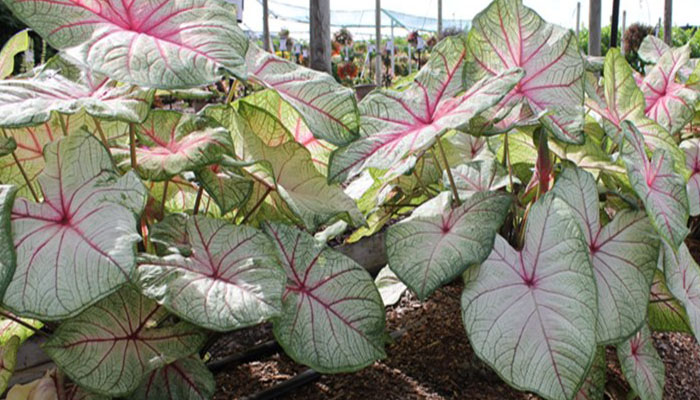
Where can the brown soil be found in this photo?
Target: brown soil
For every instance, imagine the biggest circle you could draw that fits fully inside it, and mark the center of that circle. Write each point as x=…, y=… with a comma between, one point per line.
x=432, y=360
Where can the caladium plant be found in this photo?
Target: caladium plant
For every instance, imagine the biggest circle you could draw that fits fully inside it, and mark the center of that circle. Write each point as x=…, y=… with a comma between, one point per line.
x=171, y=143
x=223, y=267
x=167, y=44
x=562, y=198
x=86, y=222
x=509, y=35
x=31, y=102
x=642, y=365
x=16, y=45
x=129, y=338
x=669, y=102
x=691, y=148
x=330, y=300
x=438, y=242
x=397, y=126
x=531, y=314
x=624, y=255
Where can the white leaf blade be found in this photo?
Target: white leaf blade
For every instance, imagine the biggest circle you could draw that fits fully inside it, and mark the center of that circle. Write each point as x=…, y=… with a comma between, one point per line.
x=122, y=343
x=438, y=242
x=532, y=315
x=332, y=315
x=166, y=45
x=642, y=365
x=229, y=278
x=86, y=222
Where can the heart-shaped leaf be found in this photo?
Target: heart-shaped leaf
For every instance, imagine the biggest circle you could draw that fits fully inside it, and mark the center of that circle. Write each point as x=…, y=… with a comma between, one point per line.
x=160, y=44
x=109, y=348
x=652, y=49
x=8, y=361
x=295, y=127
x=624, y=254
x=227, y=186
x=29, y=154
x=286, y=180
x=683, y=280
x=642, y=365
x=51, y=386
x=469, y=147
x=171, y=142
x=437, y=243
x=8, y=260
x=31, y=102
x=390, y=287
x=661, y=189
x=668, y=102
x=691, y=148
x=594, y=386
x=478, y=176
x=396, y=125
x=180, y=196
x=17, y=44
x=665, y=313
x=329, y=109
x=509, y=35
x=332, y=315
x=82, y=235
x=186, y=379
x=10, y=328
x=228, y=279
x=621, y=99
x=7, y=146
x=531, y=315
x=590, y=156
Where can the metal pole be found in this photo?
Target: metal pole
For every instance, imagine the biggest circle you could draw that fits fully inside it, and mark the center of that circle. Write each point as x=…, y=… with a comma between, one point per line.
x=320, y=35
x=668, y=21
x=615, y=23
x=439, y=27
x=378, y=23
x=266, y=26
x=594, y=12
x=578, y=19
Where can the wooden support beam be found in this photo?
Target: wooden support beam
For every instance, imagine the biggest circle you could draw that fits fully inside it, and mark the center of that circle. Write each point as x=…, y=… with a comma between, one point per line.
x=668, y=21
x=266, y=26
x=378, y=59
x=439, y=18
x=320, y=35
x=594, y=12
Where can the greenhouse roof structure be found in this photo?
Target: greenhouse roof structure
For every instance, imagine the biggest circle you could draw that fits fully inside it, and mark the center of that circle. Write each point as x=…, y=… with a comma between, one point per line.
x=364, y=18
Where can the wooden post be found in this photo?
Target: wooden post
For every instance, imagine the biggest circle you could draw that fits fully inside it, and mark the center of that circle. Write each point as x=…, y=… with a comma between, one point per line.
x=615, y=23
x=624, y=29
x=594, y=12
x=578, y=19
x=393, y=51
x=378, y=32
x=320, y=35
x=624, y=23
x=266, y=26
x=668, y=21
x=439, y=27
